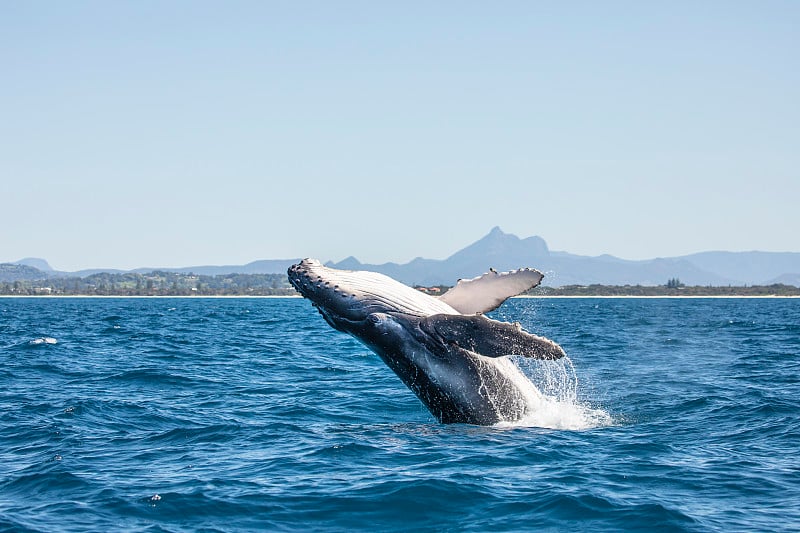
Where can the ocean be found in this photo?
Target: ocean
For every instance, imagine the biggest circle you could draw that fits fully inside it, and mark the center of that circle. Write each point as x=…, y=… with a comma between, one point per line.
x=230, y=414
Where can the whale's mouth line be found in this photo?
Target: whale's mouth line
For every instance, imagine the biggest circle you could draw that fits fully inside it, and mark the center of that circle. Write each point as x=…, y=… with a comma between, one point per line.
x=340, y=323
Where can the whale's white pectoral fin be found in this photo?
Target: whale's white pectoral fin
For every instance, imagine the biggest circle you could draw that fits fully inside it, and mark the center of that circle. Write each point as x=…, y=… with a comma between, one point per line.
x=486, y=293
x=488, y=337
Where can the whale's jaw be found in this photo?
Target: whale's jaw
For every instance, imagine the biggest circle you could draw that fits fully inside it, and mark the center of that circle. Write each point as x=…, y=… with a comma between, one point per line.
x=338, y=307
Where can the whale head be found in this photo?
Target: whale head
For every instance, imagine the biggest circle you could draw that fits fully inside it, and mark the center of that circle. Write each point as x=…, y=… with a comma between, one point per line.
x=346, y=298
x=337, y=304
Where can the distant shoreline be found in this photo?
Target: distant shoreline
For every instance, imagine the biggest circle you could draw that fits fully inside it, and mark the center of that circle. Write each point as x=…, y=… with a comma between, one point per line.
x=662, y=296
x=522, y=296
x=149, y=297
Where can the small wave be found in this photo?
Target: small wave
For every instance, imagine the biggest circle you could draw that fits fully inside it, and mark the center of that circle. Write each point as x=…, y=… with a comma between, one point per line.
x=157, y=377
x=215, y=433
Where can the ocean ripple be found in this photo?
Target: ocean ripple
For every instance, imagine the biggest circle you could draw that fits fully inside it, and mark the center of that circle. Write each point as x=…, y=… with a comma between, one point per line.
x=252, y=414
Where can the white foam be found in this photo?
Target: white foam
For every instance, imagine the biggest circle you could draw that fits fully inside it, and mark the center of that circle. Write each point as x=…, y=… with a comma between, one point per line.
x=552, y=397
x=44, y=340
x=554, y=414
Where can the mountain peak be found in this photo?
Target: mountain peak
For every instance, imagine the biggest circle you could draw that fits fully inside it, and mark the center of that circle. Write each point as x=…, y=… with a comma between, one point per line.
x=499, y=236
x=348, y=263
x=35, y=262
x=497, y=247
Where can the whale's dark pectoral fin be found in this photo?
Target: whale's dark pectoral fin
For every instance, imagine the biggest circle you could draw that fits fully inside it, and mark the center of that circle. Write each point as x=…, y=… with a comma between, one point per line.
x=486, y=293
x=488, y=337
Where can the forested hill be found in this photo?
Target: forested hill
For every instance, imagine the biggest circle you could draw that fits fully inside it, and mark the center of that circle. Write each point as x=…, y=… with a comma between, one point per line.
x=23, y=280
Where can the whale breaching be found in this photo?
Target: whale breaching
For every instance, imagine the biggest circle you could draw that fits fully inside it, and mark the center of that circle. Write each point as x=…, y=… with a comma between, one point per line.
x=443, y=348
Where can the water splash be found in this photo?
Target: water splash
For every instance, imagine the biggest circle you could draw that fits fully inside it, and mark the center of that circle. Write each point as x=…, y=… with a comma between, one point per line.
x=552, y=397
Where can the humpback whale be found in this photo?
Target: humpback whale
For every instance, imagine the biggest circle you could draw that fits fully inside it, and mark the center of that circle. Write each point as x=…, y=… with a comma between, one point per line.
x=443, y=348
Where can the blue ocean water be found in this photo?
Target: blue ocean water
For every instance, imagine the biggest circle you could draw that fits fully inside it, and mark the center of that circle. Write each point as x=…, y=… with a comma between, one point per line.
x=253, y=414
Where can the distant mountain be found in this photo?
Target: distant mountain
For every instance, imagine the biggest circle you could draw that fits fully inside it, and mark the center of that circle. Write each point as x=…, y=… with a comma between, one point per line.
x=35, y=262
x=10, y=272
x=264, y=266
x=504, y=251
x=762, y=266
x=785, y=279
x=499, y=250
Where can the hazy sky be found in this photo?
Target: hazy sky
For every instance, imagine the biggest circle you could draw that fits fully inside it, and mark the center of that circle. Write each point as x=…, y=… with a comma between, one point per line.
x=185, y=133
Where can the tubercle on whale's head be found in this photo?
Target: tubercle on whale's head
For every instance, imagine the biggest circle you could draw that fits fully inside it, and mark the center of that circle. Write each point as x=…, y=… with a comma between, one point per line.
x=338, y=304
x=309, y=278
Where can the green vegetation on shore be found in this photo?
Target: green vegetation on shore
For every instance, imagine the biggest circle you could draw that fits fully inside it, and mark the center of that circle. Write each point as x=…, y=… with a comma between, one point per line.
x=160, y=283
x=666, y=290
x=156, y=283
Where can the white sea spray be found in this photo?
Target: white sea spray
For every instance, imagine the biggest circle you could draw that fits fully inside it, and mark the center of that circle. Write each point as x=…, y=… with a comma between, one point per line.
x=551, y=391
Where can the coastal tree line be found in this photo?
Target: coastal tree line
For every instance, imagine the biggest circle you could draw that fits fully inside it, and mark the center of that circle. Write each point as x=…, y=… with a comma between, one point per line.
x=670, y=289
x=157, y=283
x=160, y=283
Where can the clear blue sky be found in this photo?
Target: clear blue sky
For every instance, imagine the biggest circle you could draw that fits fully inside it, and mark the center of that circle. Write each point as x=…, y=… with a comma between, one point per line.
x=183, y=133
